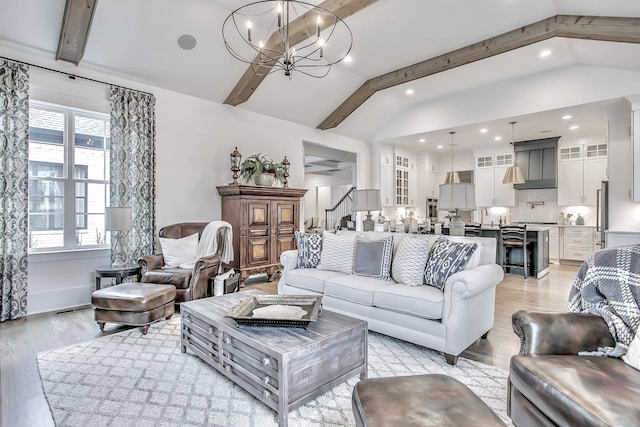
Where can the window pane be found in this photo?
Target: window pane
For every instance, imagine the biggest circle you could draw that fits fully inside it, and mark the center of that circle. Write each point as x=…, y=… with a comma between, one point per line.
x=46, y=213
x=90, y=143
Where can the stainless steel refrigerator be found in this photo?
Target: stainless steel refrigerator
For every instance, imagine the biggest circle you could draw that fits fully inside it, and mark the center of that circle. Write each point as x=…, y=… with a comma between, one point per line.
x=602, y=214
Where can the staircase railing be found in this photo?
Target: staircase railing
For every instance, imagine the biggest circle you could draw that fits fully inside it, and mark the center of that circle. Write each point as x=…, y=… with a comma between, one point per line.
x=334, y=215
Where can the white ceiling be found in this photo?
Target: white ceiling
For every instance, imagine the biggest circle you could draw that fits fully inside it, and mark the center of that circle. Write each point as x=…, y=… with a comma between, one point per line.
x=138, y=40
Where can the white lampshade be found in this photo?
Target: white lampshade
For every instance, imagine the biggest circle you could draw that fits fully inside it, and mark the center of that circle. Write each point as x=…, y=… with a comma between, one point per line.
x=460, y=197
x=117, y=219
x=367, y=200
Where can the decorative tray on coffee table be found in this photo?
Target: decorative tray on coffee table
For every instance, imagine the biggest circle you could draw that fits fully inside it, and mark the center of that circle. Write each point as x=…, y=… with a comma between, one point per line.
x=277, y=310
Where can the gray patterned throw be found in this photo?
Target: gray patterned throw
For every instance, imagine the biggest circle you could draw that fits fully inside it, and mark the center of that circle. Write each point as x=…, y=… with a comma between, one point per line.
x=608, y=285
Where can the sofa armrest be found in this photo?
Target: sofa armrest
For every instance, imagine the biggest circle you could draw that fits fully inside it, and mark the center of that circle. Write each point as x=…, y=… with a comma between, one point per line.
x=467, y=283
x=150, y=262
x=560, y=333
x=289, y=260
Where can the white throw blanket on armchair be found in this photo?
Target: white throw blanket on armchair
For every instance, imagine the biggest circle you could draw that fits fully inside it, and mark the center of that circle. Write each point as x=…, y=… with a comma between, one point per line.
x=208, y=244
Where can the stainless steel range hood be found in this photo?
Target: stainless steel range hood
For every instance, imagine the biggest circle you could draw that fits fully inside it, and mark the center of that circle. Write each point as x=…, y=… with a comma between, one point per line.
x=538, y=160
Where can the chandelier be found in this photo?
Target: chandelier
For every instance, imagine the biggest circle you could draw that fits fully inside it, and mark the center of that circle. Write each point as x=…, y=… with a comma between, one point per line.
x=513, y=174
x=287, y=35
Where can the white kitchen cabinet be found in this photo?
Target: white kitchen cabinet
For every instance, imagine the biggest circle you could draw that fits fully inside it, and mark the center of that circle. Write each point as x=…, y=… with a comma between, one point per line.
x=432, y=184
x=405, y=179
x=387, y=185
x=577, y=242
x=581, y=169
x=489, y=173
x=554, y=244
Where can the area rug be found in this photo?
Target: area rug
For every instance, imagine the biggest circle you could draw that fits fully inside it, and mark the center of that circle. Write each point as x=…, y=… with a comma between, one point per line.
x=130, y=379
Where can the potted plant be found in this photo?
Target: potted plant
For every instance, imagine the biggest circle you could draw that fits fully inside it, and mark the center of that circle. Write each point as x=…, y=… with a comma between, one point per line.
x=260, y=169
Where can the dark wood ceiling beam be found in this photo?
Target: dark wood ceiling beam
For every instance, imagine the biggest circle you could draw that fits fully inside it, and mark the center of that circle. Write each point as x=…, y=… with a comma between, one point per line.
x=581, y=27
x=298, y=32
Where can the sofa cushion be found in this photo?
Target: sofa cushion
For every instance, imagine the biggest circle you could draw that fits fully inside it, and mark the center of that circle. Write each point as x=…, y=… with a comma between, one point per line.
x=337, y=252
x=409, y=261
x=310, y=279
x=446, y=258
x=421, y=301
x=579, y=390
x=373, y=258
x=309, y=249
x=358, y=289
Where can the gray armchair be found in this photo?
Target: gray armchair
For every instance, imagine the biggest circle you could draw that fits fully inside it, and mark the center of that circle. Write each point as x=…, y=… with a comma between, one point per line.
x=190, y=284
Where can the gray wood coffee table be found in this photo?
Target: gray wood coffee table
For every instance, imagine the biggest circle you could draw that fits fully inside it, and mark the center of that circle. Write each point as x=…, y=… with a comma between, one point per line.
x=283, y=367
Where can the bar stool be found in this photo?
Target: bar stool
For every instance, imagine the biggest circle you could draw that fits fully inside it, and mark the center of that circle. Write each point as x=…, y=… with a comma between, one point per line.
x=472, y=229
x=514, y=240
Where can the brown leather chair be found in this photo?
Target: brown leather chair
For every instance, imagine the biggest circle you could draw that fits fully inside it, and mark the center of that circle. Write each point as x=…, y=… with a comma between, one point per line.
x=551, y=385
x=190, y=284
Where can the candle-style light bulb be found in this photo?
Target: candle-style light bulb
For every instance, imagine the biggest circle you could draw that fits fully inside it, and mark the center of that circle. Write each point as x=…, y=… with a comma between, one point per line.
x=279, y=10
x=318, y=22
x=321, y=43
x=249, y=30
x=261, y=44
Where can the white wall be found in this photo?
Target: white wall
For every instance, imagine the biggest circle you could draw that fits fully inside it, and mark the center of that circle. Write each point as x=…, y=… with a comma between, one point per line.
x=194, y=138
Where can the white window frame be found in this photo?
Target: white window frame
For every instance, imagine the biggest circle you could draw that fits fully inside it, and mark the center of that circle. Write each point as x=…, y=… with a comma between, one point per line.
x=68, y=179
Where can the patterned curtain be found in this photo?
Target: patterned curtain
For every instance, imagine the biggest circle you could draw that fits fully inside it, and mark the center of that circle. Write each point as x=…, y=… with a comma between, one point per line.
x=133, y=167
x=14, y=188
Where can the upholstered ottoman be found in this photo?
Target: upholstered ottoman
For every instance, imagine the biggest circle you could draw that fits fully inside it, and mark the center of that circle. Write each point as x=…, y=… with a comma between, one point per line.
x=137, y=304
x=419, y=400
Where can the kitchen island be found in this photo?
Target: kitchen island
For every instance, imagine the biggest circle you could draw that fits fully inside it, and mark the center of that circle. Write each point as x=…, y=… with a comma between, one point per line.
x=539, y=267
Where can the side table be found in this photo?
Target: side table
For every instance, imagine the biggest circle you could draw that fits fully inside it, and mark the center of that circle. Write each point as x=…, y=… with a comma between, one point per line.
x=118, y=272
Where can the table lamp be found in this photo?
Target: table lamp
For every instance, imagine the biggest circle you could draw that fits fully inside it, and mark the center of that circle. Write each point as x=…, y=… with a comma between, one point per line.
x=367, y=200
x=454, y=198
x=117, y=220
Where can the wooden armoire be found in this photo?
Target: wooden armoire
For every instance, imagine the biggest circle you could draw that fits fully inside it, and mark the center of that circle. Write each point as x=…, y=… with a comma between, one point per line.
x=264, y=221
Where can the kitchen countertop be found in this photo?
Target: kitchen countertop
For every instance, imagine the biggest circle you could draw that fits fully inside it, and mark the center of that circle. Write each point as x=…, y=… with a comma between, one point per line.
x=529, y=227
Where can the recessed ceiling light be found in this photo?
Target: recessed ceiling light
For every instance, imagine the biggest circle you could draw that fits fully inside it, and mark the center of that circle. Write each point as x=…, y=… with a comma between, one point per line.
x=567, y=117
x=484, y=130
x=348, y=59
x=497, y=138
x=409, y=91
x=545, y=53
x=422, y=140
x=574, y=127
x=187, y=41
x=439, y=146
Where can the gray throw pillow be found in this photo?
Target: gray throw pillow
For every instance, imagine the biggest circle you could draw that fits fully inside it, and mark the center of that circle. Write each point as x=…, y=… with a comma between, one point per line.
x=373, y=258
x=445, y=259
x=309, y=249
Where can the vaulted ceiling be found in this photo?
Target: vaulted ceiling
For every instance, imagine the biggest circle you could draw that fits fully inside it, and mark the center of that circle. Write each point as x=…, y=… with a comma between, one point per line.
x=138, y=40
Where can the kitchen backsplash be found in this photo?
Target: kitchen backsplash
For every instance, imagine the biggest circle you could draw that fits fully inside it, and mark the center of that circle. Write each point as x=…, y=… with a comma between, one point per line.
x=538, y=206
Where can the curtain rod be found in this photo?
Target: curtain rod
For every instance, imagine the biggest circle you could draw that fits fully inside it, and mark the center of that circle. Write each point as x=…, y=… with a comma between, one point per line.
x=74, y=76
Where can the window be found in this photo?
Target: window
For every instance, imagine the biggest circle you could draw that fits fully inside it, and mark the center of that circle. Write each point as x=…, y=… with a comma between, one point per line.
x=504, y=159
x=68, y=177
x=484, y=161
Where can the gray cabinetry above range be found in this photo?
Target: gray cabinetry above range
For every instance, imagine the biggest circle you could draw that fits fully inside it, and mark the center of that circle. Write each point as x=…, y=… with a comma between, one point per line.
x=538, y=161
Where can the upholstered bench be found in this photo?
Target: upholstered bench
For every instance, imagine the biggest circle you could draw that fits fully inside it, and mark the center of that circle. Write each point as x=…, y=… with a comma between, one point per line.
x=419, y=401
x=136, y=304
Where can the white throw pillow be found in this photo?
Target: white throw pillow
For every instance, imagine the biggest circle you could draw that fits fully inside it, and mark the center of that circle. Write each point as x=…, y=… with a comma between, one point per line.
x=632, y=357
x=338, y=251
x=178, y=251
x=409, y=261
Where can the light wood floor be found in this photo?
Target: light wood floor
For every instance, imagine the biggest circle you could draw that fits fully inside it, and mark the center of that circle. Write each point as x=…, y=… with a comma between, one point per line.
x=22, y=401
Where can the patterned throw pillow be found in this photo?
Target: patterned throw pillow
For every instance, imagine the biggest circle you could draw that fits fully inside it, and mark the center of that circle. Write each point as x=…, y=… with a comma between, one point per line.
x=446, y=258
x=309, y=249
x=373, y=258
x=408, y=264
x=337, y=252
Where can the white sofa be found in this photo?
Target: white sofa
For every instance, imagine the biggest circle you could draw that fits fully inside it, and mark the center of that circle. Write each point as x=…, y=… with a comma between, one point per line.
x=448, y=320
